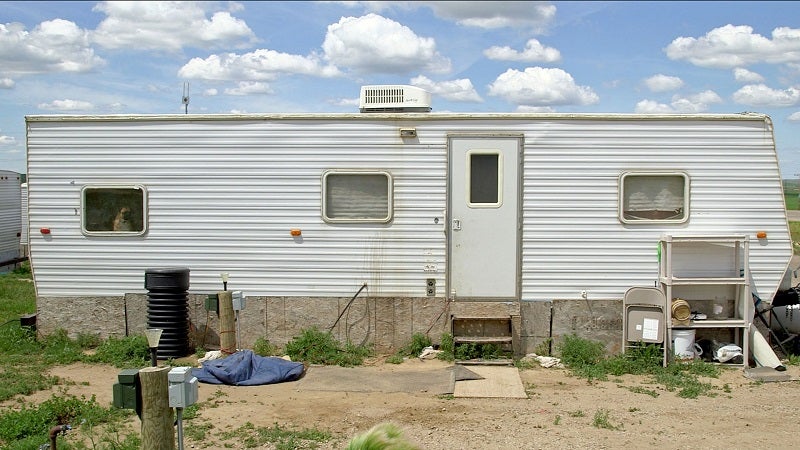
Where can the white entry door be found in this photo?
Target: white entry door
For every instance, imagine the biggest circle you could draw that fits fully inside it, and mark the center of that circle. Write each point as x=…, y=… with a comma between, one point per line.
x=483, y=216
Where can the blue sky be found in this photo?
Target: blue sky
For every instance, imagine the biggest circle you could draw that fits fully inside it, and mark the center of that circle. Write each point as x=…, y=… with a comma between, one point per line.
x=571, y=57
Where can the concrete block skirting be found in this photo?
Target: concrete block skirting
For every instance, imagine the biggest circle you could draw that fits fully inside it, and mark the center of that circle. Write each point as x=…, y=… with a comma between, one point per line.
x=386, y=322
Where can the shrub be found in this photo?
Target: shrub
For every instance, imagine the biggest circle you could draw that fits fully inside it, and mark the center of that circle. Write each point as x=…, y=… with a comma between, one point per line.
x=262, y=347
x=418, y=343
x=317, y=347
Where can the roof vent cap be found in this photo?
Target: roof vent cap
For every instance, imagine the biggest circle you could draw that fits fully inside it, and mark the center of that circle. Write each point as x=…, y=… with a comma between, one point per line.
x=394, y=98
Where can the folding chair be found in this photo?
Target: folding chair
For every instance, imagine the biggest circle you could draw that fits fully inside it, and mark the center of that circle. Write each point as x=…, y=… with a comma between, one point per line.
x=643, y=318
x=781, y=337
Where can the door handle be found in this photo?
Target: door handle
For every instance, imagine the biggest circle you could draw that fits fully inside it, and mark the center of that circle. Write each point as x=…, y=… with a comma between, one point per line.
x=456, y=225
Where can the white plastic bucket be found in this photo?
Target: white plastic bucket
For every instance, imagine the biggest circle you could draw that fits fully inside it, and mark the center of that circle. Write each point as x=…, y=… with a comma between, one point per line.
x=683, y=346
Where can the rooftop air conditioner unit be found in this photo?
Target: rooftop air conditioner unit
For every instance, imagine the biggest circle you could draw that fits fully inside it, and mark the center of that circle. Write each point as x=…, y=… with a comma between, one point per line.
x=394, y=98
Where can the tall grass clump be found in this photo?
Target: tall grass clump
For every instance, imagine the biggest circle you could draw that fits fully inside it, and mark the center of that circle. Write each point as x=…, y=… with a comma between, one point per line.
x=418, y=343
x=17, y=295
x=587, y=359
x=318, y=347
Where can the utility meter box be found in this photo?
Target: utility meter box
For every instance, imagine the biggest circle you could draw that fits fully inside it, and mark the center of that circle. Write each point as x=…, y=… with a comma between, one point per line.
x=182, y=387
x=238, y=299
x=212, y=303
x=126, y=392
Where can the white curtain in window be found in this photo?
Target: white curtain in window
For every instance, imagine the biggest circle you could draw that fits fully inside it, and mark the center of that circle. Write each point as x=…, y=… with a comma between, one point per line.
x=357, y=196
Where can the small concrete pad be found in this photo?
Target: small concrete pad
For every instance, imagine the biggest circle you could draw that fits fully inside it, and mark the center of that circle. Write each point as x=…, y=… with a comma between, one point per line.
x=497, y=382
x=435, y=380
x=767, y=374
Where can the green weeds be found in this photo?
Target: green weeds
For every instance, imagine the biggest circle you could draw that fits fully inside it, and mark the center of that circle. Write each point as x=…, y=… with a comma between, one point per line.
x=262, y=347
x=468, y=351
x=27, y=426
x=587, y=359
x=316, y=347
x=281, y=438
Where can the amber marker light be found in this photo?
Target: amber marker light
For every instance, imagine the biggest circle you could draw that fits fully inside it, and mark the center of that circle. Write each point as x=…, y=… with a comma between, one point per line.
x=296, y=232
x=761, y=234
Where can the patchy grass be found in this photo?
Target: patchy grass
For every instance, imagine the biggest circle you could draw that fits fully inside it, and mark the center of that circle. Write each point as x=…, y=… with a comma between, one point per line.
x=587, y=359
x=281, y=438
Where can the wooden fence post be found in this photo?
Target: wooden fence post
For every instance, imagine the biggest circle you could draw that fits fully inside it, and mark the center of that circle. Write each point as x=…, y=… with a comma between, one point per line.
x=157, y=421
x=227, y=323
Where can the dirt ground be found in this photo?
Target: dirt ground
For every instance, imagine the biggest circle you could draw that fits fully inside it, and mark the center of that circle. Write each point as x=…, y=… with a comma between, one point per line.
x=560, y=412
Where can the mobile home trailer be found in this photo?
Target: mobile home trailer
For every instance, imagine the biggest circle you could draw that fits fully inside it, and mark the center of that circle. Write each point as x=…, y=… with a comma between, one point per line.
x=10, y=219
x=390, y=223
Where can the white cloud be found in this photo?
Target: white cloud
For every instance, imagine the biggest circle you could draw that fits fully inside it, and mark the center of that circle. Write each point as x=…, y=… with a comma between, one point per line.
x=169, y=26
x=375, y=44
x=794, y=117
x=663, y=83
x=531, y=15
x=66, y=105
x=743, y=75
x=534, y=52
x=249, y=88
x=52, y=46
x=762, y=95
x=737, y=46
x=346, y=102
x=260, y=65
x=538, y=86
x=652, y=107
x=7, y=140
x=454, y=90
x=535, y=109
x=210, y=92
x=695, y=103
x=6, y=83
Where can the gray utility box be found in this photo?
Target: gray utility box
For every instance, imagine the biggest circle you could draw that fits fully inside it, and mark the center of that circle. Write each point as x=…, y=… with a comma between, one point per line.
x=182, y=387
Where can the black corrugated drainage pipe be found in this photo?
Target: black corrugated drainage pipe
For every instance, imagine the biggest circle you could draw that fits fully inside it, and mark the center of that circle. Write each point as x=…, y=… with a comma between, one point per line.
x=168, y=309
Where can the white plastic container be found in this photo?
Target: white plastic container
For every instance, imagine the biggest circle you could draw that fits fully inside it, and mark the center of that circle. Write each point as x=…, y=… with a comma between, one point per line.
x=683, y=346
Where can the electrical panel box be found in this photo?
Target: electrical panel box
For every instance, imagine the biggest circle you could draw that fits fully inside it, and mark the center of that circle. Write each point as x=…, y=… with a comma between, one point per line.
x=238, y=300
x=212, y=303
x=182, y=387
x=126, y=392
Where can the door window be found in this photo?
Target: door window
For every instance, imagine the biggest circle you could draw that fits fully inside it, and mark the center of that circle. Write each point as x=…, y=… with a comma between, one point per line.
x=484, y=179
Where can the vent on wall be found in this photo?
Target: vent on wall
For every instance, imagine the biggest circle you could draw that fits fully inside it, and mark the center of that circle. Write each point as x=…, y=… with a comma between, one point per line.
x=395, y=98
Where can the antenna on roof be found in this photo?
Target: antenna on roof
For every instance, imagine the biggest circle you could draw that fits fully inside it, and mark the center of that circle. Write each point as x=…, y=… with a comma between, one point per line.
x=185, y=98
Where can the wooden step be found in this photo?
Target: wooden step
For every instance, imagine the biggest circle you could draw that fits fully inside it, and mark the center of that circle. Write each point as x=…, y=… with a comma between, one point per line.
x=482, y=339
x=464, y=327
x=486, y=362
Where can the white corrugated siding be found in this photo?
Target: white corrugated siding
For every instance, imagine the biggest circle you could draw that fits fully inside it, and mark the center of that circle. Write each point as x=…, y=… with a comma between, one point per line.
x=223, y=197
x=573, y=239
x=10, y=215
x=24, y=201
x=224, y=194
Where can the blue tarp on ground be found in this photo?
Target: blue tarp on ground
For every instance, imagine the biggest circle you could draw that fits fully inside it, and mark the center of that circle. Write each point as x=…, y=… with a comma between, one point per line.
x=245, y=368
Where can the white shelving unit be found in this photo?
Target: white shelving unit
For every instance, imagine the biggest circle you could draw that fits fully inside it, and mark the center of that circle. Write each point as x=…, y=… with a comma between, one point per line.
x=711, y=273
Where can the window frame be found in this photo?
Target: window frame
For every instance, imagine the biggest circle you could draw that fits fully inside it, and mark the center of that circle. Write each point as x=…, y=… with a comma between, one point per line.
x=468, y=179
x=355, y=172
x=83, y=210
x=650, y=173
